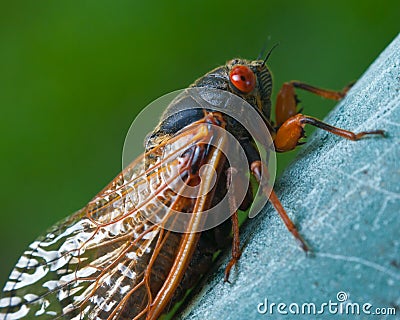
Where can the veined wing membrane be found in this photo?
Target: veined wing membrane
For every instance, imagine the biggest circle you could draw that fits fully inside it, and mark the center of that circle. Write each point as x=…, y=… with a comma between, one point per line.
x=97, y=264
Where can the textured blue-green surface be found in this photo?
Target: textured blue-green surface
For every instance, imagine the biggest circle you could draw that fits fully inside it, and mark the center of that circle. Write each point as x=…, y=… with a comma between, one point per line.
x=345, y=198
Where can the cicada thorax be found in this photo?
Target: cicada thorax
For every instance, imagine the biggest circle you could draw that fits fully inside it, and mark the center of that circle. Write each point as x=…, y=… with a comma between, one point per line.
x=217, y=80
x=259, y=98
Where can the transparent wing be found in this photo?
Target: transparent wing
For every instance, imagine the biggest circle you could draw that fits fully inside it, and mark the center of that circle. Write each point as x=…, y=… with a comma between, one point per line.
x=100, y=262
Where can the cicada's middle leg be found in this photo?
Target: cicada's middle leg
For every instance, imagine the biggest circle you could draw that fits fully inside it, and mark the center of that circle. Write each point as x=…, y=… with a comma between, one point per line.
x=258, y=169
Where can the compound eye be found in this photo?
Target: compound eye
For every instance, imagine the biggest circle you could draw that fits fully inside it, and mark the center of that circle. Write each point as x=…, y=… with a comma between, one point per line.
x=243, y=78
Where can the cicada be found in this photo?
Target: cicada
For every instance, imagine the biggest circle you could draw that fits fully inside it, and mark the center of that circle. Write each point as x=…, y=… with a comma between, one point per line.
x=127, y=254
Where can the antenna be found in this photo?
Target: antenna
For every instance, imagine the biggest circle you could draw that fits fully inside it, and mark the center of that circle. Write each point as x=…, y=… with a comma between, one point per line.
x=264, y=48
x=269, y=54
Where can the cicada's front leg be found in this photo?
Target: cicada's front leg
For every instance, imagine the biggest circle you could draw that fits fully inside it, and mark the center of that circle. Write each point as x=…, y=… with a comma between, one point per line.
x=290, y=124
x=286, y=101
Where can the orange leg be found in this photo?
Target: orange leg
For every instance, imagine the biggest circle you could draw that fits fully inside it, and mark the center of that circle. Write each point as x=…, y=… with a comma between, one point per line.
x=236, y=253
x=256, y=169
x=286, y=101
x=291, y=131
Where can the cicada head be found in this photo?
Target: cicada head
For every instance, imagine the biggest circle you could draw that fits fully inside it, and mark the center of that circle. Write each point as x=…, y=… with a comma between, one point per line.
x=252, y=81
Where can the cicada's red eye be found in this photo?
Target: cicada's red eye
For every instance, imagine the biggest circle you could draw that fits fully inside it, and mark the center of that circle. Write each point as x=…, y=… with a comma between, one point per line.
x=243, y=78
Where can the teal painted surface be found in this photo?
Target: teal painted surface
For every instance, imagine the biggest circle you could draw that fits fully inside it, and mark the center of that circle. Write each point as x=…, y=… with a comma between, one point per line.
x=345, y=198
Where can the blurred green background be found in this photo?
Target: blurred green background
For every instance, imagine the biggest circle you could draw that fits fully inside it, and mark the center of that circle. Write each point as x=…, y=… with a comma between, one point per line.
x=74, y=74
